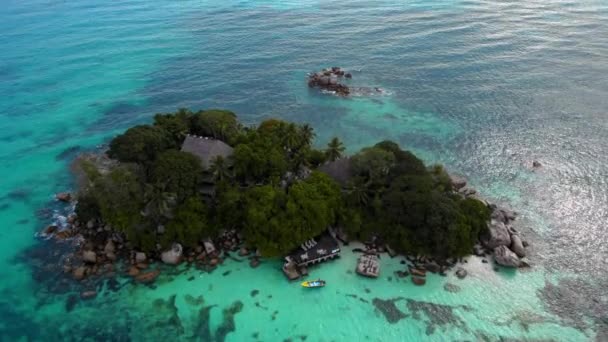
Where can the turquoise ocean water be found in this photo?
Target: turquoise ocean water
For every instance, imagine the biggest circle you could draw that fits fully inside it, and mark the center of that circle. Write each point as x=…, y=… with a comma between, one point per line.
x=485, y=87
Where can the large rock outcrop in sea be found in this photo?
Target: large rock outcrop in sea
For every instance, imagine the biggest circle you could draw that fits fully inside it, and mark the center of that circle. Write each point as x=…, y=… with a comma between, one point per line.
x=498, y=235
x=329, y=79
x=505, y=257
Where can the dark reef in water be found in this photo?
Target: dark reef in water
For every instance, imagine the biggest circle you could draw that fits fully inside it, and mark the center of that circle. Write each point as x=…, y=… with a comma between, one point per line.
x=575, y=301
x=69, y=153
x=191, y=300
x=389, y=309
x=452, y=288
x=437, y=314
x=17, y=325
x=202, y=330
x=227, y=325
x=166, y=308
x=362, y=300
x=119, y=113
x=254, y=293
x=21, y=195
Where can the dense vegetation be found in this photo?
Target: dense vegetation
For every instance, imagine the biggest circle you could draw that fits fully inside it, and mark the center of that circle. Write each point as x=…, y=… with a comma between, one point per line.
x=269, y=190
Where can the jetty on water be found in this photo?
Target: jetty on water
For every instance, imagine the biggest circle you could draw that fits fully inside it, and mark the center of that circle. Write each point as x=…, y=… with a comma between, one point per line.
x=321, y=248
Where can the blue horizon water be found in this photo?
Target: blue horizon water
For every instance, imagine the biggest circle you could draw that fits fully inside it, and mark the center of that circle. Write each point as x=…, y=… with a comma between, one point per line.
x=484, y=87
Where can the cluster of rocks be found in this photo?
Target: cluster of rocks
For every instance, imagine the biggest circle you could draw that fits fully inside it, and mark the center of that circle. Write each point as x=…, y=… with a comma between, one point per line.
x=502, y=240
x=101, y=251
x=329, y=79
x=418, y=266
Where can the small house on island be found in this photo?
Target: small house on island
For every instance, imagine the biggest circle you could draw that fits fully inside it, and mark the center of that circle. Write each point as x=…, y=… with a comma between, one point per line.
x=321, y=248
x=206, y=149
x=340, y=170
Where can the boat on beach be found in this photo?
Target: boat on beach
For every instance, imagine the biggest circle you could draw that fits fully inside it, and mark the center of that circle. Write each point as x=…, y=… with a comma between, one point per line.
x=313, y=283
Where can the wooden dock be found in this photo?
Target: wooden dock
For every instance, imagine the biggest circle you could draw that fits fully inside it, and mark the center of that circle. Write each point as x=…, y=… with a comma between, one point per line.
x=368, y=265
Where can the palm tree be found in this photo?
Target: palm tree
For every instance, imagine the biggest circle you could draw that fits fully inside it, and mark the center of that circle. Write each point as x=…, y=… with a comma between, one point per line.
x=307, y=134
x=159, y=202
x=357, y=193
x=219, y=169
x=334, y=149
x=290, y=137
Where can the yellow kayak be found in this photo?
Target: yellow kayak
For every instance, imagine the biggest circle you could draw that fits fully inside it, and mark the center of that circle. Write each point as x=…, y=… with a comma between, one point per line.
x=313, y=283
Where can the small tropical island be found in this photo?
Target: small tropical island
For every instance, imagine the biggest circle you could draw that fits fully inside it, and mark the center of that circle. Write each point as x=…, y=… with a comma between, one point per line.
x=197, y=186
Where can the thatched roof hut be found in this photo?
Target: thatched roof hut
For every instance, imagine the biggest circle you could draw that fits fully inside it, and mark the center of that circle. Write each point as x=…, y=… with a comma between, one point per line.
x=206, y=149
x=339, y=170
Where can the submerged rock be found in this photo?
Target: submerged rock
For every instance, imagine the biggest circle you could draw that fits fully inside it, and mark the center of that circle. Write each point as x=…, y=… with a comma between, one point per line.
x=64, y=196
x=88, y=295
x=448, y=287
x=418, y=281
x=505, y=257
x=133, y=271
x=417, y=272
x=50, y=229
x=71, y=302
x=461, y=273
x=147, y=277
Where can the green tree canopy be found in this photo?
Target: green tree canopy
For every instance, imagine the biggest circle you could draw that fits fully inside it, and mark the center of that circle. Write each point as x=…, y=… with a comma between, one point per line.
x=373, y=164
x=179, y=172
x=189, y=225
x=229, y=206
x=259, y=160
x=139, y=144
x=177, y=125
x=118, y=197
x=276, y=222
x=216, y=123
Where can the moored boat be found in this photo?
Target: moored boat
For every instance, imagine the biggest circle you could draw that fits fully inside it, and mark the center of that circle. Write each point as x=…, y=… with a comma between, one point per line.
x=313, y=283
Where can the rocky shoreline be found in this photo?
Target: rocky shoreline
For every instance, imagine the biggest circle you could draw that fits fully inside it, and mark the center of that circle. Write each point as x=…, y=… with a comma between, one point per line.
x=502, y=242
x=100, y=251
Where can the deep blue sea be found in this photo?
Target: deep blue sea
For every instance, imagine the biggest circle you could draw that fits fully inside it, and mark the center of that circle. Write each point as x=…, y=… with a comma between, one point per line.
x=484, y=87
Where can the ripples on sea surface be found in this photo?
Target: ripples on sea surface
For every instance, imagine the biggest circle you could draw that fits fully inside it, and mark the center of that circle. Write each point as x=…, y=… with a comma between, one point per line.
x=485, y=87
